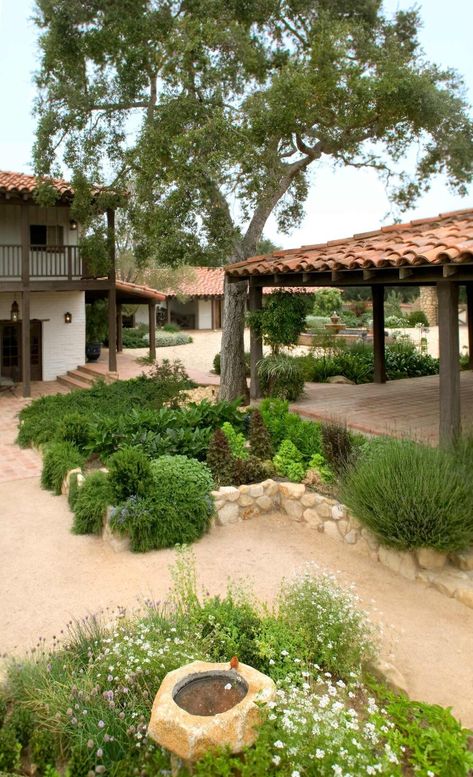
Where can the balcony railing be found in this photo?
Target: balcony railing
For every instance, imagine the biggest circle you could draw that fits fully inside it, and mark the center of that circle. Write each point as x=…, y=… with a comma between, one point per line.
x=45, y=263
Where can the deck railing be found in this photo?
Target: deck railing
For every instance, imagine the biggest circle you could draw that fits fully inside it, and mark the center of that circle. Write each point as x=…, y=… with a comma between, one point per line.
x=45, y=262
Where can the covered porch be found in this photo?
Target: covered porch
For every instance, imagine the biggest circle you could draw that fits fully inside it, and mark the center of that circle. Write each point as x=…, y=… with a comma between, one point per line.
x=435, y=252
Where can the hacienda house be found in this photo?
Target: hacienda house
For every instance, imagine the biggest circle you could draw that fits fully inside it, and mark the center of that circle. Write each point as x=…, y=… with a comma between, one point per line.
x=44, y=286
x=197, y=301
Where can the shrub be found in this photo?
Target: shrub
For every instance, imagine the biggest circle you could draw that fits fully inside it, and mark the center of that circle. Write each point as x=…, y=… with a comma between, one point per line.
x=176, y=511
x=288, y=461
x=259, y=437
x=167, y=339
x=327, y=301
x=282, y=319
x=251, y=470
x=10, y=750
x=23, y=722
x=74, y=428
x=337, y=445
x=281, y=376
x=43, y=748
x=217, y=363
x=411, y=496
x=417, y=317
x=236, y=441
x=73, y=491
x=129, y=474
x=58, y=459
x=170, y=328
x=220, y=459
x=90, y=503
x=170, y=378
x=134, y=338
x=282, y=424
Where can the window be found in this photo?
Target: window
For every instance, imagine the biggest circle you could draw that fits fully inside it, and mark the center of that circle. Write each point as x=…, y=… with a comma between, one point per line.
x=42, y=235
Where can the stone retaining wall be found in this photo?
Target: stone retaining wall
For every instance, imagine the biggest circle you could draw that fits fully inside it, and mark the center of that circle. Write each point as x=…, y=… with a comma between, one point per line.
x=451, y=574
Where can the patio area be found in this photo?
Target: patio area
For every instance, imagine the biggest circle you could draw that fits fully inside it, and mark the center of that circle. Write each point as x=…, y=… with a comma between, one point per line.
x=400, y=408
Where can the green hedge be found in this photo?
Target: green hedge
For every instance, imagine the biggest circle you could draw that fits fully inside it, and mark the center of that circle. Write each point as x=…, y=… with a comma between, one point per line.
x=58, y=459
x=90, y=502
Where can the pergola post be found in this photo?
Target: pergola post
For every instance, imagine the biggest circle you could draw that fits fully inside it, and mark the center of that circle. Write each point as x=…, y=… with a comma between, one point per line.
x=119, y=329
x=112, y=293
x=152, y=330
x=25, y=302
x=168, y=310
x=449, y=352
x=256, y=341
x=469, y=313
x=377, y=293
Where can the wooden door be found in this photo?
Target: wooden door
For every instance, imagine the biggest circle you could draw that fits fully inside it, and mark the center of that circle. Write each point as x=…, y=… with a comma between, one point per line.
x=10, y=355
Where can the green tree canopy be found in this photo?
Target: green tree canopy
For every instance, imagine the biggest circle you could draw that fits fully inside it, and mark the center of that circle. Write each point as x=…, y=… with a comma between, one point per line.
x=212, y=112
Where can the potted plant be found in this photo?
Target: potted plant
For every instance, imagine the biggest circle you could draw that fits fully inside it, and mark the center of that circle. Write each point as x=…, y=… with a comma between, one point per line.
x=96, y=329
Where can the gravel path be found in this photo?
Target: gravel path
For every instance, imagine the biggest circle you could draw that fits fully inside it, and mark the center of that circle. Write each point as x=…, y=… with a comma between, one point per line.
x=48, y=576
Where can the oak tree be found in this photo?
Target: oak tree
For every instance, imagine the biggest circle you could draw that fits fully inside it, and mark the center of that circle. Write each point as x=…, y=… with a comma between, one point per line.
x=213, y=112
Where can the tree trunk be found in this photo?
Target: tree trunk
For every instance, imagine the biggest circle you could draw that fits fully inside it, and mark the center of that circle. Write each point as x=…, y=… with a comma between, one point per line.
x=232, y=378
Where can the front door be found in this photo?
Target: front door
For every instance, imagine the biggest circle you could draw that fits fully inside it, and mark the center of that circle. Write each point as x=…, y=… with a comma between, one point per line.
x=10, y=350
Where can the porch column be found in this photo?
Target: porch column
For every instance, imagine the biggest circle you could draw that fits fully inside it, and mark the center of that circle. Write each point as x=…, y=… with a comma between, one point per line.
x=469, y=313
x=119, y=329
x=377, y=293
x=449, y=352
x=112, y=294
x=256, y=341
x=25, y=301
x=152, y=330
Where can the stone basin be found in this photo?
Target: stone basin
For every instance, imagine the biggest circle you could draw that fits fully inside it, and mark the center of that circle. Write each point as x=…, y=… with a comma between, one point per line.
x=189, y=735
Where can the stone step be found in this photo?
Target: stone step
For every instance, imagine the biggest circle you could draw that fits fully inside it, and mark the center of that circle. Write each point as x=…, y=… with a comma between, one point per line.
x=86, y=378
x=84, y=369
x=72, y=383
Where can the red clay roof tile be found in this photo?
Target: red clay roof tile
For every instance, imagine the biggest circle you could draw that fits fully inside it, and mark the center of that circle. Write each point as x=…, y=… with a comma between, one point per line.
x=20, y=183
x=439, y=239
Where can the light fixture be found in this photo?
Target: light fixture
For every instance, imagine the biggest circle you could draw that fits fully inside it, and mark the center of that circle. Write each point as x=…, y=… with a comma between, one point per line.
x=72, y=224
x=14, y=312
x=68, y=318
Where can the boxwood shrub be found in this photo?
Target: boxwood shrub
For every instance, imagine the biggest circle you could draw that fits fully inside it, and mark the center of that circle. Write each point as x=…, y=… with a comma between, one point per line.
x=411, y=496
x=58, y=459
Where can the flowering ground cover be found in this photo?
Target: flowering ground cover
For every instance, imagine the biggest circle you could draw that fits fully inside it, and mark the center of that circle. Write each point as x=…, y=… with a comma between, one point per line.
x=81, y=707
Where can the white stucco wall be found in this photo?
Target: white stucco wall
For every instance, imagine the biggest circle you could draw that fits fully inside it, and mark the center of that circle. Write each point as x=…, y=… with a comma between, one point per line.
x=63, y=344
x=204, y=320
x=10, y=222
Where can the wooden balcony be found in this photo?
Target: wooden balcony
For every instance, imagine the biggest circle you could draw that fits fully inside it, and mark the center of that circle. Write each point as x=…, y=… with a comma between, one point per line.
x=46, y=263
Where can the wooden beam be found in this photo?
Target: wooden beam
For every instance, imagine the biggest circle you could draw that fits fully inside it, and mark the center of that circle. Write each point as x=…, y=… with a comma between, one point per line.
x=119, y=329
x=255, y=303
x=368, y=275
x=25, y=342
x=449, y=269
x=152, y=330
x=405, y=272
x=469, y=313
x=336, y=276
x=449, y=381
x=112, y=293
x=377, y=293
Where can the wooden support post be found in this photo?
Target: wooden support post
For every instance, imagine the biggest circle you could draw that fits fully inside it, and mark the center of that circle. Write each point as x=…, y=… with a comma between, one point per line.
x=168, y=310
x=377, y=293
x=119, y=329
x=112, y=294
x=256, y=342
x=25, y=301
x=152, y=330
x=449, y=351
x=469, y=313
x=26, y=342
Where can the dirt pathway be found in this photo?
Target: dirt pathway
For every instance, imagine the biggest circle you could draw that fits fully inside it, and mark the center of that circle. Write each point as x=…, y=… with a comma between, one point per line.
x=48, y=576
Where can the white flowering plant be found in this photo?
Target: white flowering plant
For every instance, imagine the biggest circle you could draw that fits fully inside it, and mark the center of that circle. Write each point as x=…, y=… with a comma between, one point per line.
x=87, y=699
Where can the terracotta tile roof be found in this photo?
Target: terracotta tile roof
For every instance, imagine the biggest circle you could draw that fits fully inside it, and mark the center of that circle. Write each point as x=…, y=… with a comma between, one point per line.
x=442, y=239
x=208, y=282
x=139, y=291
x=20, y=183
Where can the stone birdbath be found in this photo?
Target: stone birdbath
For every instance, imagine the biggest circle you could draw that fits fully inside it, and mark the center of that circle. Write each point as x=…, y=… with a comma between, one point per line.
x=205, y=706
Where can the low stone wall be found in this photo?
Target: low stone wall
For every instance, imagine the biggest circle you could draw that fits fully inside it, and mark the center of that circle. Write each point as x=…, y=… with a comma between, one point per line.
x=451, y=574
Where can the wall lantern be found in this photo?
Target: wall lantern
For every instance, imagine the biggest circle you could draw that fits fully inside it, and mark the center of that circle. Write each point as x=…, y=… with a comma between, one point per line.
x=67, y=318
x=72, y=224
x=14, y=312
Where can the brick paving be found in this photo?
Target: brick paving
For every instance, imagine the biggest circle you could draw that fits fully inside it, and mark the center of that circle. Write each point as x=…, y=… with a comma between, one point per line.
x=400, y=408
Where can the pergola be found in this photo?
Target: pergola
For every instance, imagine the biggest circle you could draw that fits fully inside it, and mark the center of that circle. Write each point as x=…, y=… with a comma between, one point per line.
x=132, y=294
x=436, y=252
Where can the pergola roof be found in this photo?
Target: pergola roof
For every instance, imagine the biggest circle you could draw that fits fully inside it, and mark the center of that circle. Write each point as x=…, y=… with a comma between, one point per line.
x=421, y=244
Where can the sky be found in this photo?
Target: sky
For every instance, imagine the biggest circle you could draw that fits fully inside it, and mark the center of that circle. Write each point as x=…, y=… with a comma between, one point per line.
x=341, y=203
